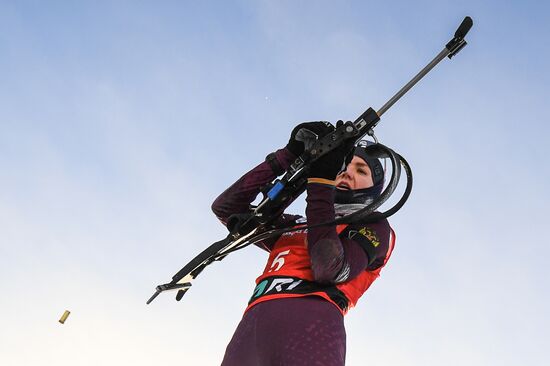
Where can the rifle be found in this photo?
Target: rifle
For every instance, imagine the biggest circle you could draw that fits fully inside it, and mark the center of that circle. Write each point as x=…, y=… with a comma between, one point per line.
x=255, y=226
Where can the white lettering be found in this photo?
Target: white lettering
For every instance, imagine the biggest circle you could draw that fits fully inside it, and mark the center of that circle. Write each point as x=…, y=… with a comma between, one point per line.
x=277, y=284
x=279, y=261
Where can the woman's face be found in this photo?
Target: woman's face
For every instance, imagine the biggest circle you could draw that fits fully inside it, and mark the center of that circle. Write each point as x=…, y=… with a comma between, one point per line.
x=356, y=176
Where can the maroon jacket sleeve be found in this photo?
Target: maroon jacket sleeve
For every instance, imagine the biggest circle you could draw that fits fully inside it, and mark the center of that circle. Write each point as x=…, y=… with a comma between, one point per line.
x=340, y=258
x=237, y=198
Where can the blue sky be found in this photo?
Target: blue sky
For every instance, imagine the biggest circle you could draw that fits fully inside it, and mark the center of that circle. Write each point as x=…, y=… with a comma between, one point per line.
x=121, y=121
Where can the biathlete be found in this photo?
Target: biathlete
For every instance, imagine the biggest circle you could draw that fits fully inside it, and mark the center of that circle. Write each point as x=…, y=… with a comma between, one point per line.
x=312, y=277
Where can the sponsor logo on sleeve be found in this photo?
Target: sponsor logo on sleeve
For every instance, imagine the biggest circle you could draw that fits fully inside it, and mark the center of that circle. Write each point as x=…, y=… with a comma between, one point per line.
x=367, y=233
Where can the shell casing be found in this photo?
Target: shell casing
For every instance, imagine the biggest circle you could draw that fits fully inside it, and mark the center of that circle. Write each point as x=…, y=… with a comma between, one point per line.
x=64, y=316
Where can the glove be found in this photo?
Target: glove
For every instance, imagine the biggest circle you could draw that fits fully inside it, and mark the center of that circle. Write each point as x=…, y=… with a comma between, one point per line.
x=328, y=166
x=305, y=134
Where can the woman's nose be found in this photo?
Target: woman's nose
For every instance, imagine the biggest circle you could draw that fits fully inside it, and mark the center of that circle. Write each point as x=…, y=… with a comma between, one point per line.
x=349, y=171
x=346, y=174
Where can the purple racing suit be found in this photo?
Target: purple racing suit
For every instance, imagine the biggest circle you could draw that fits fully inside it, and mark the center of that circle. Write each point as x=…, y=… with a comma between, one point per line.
x=306, y=330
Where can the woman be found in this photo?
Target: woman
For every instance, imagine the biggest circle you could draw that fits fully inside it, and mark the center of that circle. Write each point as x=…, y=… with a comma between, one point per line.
x=312, y=277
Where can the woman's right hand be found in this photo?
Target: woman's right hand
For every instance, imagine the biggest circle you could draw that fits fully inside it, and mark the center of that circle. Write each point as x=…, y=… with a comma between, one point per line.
x=305, y=134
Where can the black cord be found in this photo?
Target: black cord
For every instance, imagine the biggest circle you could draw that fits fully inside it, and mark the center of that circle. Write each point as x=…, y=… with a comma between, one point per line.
x=365, y=215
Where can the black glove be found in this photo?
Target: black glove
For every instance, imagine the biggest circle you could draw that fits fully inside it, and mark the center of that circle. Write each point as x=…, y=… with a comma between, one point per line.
x=305, y=134
x=328, y=166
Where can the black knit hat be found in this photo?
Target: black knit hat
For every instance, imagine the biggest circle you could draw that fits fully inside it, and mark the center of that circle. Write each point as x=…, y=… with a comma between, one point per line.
x=374, y=164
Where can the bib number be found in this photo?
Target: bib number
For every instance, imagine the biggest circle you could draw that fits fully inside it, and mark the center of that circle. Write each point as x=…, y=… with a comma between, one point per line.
x=278, y=261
